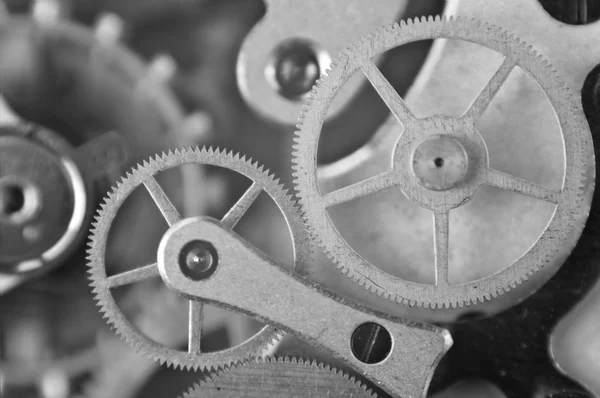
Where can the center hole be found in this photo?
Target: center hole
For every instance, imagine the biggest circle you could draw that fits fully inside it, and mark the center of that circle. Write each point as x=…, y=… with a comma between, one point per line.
x=198, y=260
x=12, y=199
x=295, y=66
x=439, y=162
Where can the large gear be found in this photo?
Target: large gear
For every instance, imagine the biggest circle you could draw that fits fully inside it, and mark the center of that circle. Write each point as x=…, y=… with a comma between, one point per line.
x=437, y=188
x=262, y=181
x=279, y=377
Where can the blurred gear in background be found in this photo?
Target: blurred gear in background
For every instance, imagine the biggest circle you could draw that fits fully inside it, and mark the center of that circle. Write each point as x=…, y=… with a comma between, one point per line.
x=77, y=110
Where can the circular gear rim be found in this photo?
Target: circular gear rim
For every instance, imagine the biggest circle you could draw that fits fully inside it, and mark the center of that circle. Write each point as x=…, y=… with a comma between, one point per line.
x=252, y=347
x=274, y=367
x=576, y=139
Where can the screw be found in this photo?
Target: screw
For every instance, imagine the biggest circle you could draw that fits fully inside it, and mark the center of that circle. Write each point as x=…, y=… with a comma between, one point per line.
x=198, y=260
x=371, y=343
x=296, y=69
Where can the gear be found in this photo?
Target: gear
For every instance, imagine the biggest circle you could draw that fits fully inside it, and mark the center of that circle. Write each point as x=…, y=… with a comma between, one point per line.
x=193, y=359
x=102, y=108
x=280, y=377
x=440, y=163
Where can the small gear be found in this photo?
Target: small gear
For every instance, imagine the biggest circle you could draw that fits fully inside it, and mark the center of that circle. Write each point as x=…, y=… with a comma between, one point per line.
x=440, y=162
x=262, y=181
x=279, y=377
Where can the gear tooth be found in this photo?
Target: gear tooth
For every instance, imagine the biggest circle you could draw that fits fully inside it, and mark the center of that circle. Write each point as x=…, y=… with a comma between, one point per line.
x=97, y=278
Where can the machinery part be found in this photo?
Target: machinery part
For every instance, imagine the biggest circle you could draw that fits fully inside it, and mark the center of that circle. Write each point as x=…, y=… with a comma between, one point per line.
x=197, y=257
x=279, y=377
x=551, y=319
x=292, y=45
x=58, y=54
x=43, y=201
x=243, y=279
x=113, y=109
x=456, y=173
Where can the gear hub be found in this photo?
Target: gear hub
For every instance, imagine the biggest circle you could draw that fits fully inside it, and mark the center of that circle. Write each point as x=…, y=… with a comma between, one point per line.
x=43, y=199
x=440, y=163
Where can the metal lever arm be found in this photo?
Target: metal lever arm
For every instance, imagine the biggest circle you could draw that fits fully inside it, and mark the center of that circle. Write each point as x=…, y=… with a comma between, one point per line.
x=240, y=278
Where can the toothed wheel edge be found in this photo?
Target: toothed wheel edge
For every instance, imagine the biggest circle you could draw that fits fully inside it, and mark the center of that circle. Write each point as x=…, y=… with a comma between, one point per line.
x=576, y=136
x=271, y=365
x=256, y=345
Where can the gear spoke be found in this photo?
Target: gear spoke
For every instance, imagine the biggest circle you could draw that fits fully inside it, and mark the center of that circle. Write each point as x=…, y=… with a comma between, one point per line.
x=242, y=205
x=441, y=224
x=133, y=276
x=441, y=161
x=195, y=326
x=389, y=95
x=487, y=94
x=192, y=356
x=508, y=182
x=165, y=206
x=363, y=188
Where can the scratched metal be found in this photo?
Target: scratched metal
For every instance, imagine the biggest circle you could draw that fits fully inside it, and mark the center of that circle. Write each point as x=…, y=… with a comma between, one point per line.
x=194, y=357
x=464, y=271
x=247, y=281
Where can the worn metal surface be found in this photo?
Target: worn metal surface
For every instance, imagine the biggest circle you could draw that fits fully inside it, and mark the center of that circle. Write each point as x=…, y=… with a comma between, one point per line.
x=279, y=377
x=468, y=278
x=326, y=24
x=102, y=285
x=248, y=281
